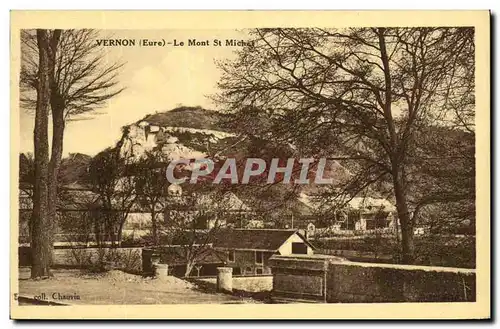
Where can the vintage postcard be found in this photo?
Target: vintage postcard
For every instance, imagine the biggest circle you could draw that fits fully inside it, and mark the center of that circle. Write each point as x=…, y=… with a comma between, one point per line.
x=250, y=165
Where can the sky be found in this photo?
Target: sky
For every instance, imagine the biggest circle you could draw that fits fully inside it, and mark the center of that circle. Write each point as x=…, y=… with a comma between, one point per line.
x=155, y=78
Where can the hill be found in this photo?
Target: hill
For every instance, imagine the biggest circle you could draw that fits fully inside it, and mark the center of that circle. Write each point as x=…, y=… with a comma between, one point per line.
x=195, y=133
x=188, y=117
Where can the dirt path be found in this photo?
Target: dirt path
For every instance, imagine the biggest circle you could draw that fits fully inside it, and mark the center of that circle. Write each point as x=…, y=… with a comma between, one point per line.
x=116, y=287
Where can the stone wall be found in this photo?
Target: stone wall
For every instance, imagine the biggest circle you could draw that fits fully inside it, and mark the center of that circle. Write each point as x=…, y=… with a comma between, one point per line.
x=299, y=278
x=369, y=282
x=322, y=278
x=359, y=256
x=251, y=283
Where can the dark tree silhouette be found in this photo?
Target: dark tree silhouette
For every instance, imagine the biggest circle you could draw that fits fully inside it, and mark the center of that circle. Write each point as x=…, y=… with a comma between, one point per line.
x=151, y=186
x=79, y=81
x=41, y=222
x=193, y=222
x=362, y=93
x=112, y=180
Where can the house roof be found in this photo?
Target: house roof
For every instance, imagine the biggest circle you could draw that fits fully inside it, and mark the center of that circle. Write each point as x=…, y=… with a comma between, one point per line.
x=371, y=204
x=364, y=204
x=254, y=239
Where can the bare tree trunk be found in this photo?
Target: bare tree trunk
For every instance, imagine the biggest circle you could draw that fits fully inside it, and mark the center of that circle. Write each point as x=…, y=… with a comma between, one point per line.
x=407, y=246
x=122, y=219
x=41, y=241
x=189, y=267
x=154, y=227
x=396, y=158
x=57, y=106
x=97, y=228
x=54, y=164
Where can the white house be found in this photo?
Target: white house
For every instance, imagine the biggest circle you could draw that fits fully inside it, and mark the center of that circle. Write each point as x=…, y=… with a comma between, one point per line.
x=248, y=251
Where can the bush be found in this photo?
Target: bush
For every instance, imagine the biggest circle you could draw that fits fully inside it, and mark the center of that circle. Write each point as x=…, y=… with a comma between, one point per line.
x=82, y=257
x=131, y=241
x=105, y=259
x=431, y=250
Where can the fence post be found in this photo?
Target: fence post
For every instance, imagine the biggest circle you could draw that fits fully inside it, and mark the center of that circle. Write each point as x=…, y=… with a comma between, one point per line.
x=161, y=270
x=225, y=279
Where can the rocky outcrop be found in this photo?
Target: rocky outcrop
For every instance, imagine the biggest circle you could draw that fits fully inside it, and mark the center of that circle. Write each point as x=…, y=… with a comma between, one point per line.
x=144, y=136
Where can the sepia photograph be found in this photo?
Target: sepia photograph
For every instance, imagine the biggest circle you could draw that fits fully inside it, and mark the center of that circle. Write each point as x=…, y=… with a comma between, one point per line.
x=335, y=165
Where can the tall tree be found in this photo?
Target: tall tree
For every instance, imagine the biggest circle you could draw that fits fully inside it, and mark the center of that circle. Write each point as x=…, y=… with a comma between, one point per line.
x=112, y=178
x=41, y=223
x=151, y=187
x=79, y=80
x=362, y=93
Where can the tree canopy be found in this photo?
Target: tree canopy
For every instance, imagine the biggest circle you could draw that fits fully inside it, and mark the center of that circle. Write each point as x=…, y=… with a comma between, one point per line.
x=368, y=94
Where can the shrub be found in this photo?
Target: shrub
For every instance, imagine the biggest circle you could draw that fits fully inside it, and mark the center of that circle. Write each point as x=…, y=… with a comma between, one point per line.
x=105, y=259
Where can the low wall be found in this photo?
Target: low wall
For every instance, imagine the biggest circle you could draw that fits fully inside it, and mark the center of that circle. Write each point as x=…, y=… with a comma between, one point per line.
x=356, y=255
x=128, y=259
x=247, y=283
x=301, y=278
x=369, y=282
x=333, y=280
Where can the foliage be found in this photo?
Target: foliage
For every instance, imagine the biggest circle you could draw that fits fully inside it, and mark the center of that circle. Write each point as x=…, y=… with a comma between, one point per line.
x=194, y=222
x=151, y=187
x=112, y=181
x=362, y=93
x=431, y=250
x=185, y=116
x=64, y=73
x=104, y=259
x=84, y=80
